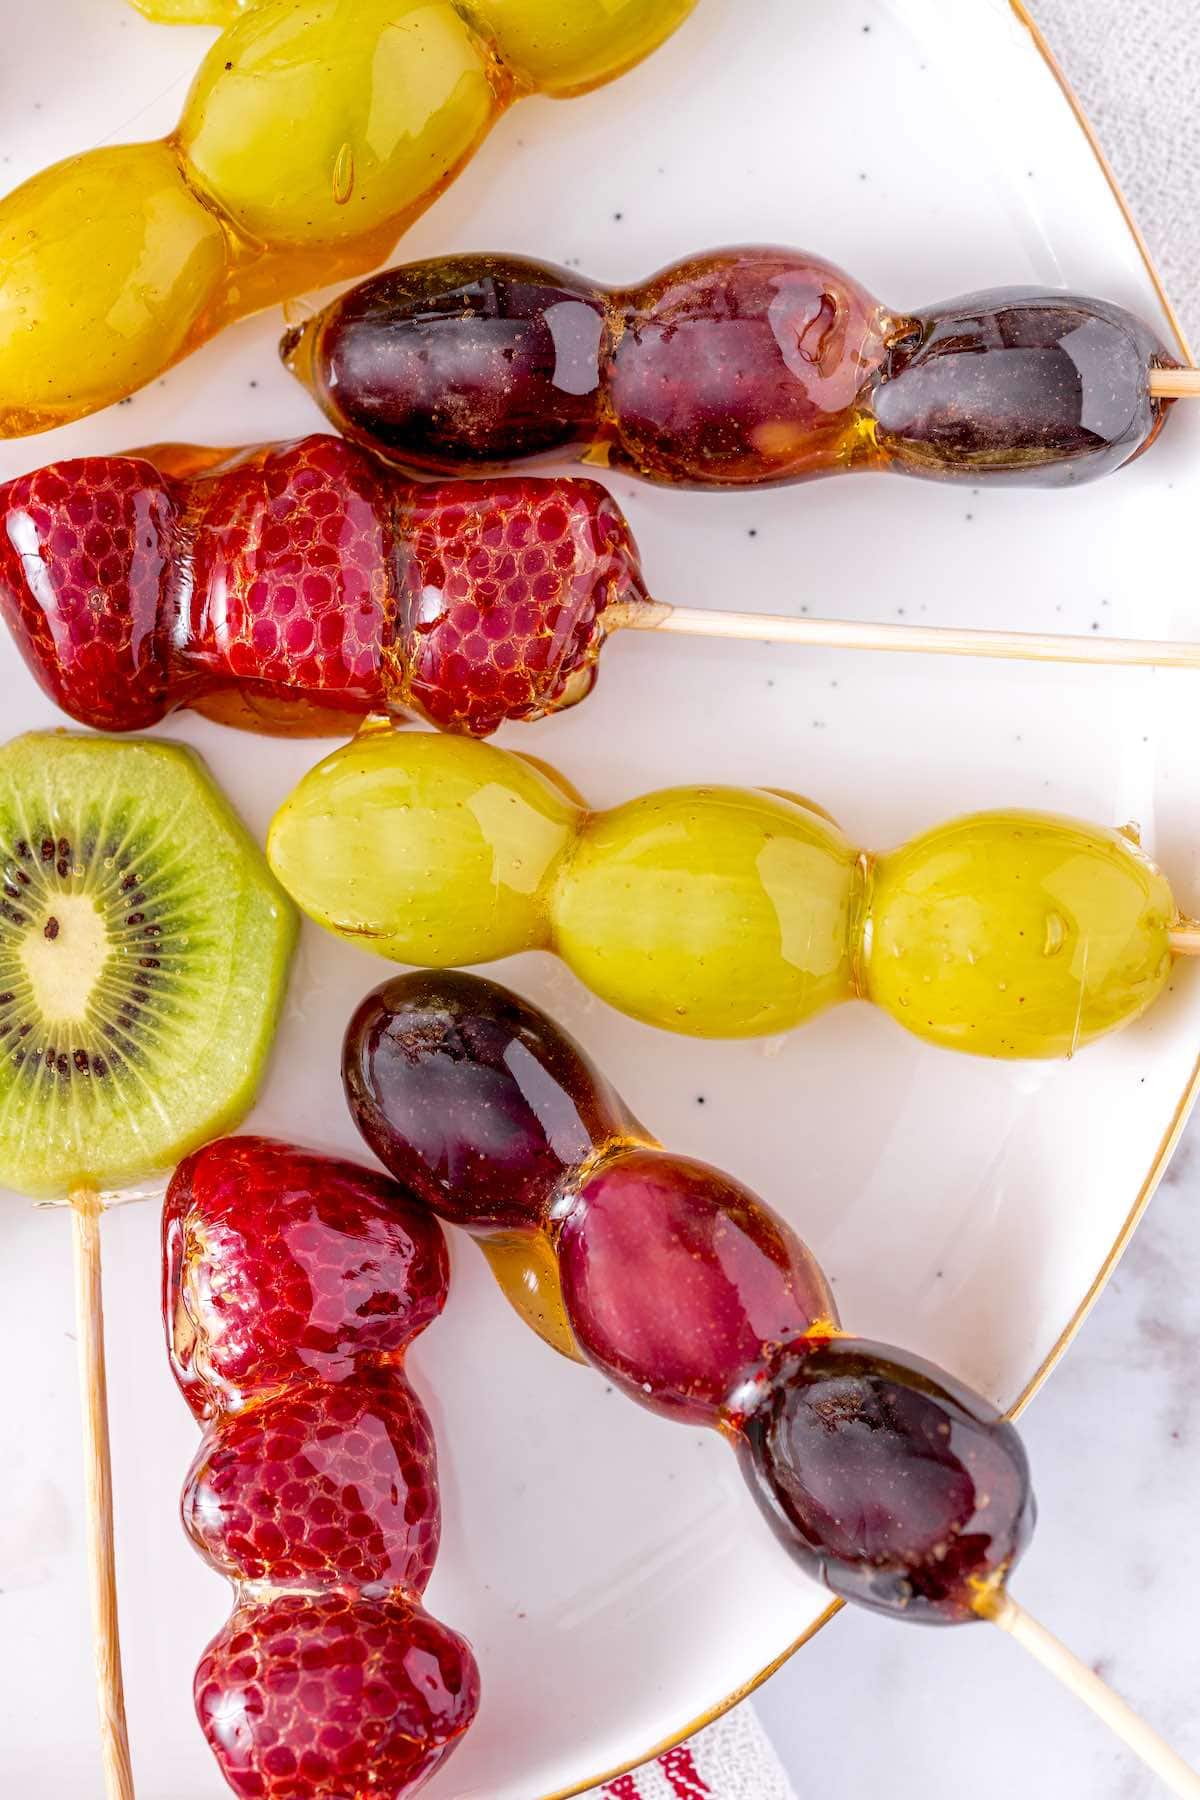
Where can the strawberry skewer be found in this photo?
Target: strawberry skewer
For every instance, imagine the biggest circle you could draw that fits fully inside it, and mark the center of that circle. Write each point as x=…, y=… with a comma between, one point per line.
x=300, y=586
x=292, y=1286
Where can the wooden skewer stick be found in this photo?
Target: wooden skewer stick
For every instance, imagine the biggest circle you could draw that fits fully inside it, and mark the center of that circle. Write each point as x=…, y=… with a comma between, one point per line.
x=97, y=1460
x=1175, y=384
x=1185, y=938
x=1176, y=1775
x=928, y=640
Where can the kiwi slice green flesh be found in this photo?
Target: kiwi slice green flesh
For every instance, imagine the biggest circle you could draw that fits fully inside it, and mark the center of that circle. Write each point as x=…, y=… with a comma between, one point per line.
x=144, y=947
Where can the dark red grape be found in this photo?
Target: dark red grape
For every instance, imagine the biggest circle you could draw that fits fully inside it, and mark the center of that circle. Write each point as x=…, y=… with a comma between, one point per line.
x=741, y=368
x=888, y=1480
x=1019, y=385
x=473, y=1099
x=678, y=1282
x=451, y=362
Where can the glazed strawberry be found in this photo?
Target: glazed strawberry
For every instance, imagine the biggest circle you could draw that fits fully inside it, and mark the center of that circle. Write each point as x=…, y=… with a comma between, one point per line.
x=280, y=1264
x=298, y=586
x=293, y=1284
x=87, y=550
x=504, y=587
x=322, y=1484
x=289, y=589
x=303, y=1699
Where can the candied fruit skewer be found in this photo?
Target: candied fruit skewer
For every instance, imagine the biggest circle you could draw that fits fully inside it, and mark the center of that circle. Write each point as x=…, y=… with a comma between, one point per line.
x=143, y=955
x=736, y=368
x=732, y=912
x=880, y=1475
x=293, y=1285
x=300, y=586
x=312, y=136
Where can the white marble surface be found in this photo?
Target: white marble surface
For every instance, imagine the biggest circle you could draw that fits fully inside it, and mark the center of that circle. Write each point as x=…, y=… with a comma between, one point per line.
x=1115, y=1438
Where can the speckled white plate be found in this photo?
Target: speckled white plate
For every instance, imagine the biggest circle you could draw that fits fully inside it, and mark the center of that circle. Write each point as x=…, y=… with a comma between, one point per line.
x=609, y=1568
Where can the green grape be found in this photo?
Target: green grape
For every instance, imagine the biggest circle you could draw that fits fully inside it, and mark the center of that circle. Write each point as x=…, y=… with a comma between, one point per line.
x=565, y=46
x=382, y=99
x=722, y=912
x=1017, y=934
x=106, y=265
x=425, y=849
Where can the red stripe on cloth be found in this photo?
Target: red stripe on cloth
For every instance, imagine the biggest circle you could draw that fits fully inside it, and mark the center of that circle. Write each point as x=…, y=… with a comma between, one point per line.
x=624, y=1789
x=679, y=1767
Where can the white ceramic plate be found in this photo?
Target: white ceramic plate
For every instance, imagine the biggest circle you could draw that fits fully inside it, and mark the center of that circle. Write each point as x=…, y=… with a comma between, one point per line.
x=609, y=1568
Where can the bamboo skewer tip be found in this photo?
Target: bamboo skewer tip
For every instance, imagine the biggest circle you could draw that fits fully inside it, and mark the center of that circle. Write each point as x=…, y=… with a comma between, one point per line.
x=924, y=640
x=1177, y=1776
x=1175, y=384
x=86, y=1210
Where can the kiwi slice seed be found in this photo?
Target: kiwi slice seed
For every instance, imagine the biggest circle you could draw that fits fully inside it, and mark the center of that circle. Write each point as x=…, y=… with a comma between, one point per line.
x=144, y=948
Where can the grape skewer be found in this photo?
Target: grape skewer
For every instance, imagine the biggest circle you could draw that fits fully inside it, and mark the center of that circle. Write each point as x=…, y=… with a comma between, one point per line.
x=732, y=912
x=292, y=1286
x=736, y=368
x=881, y=1475
x=299, y=587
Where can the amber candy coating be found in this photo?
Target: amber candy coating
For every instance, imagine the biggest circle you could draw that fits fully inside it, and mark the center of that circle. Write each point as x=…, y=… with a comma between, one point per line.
x=887, y=1479
x=298, y=586
x=741, y=367
x=292, y=1284
x=883, y=1477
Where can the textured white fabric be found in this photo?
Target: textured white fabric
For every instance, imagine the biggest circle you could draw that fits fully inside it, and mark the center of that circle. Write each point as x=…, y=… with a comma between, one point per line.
x=1135, y=65
x=732, y=1760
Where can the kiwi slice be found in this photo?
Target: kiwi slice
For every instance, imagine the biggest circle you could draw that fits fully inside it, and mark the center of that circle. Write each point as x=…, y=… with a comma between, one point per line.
x=144, y=947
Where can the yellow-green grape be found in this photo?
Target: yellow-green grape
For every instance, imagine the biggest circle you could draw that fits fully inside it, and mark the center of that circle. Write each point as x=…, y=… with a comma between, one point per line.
x=425, y=849
x=566, y=46
x=1017, y=934
x=107, y=263
x=721, y=912
x=322, y=120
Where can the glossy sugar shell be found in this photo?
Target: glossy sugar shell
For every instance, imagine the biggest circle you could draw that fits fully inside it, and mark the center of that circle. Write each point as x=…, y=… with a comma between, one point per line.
x=722, y=912
x=462, y=841
x=1017, y=934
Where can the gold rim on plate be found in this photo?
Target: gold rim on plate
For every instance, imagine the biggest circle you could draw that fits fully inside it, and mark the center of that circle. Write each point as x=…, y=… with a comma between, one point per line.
x=1171, y=1136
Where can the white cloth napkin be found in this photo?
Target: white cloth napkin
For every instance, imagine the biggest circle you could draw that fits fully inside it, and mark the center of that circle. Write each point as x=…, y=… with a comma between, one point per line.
x=732, y=1760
